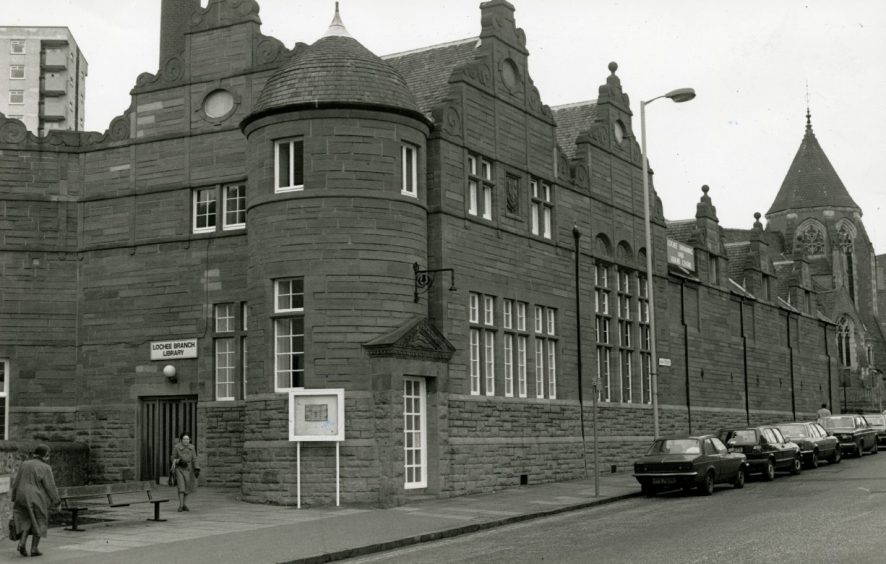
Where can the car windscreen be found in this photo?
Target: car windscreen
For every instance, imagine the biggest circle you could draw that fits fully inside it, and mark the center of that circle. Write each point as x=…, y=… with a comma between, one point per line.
x=838, y=422
x=798, y=431
x=675, y=446
x=744, y=437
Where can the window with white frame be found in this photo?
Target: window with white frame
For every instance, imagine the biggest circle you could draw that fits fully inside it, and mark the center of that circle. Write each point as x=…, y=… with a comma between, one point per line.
x=235, y=206
x=16, y=72
x=205, y=210
x=522, y=346
x=481, y=316
x=602, y=322
x=289, y=334
x=541, y=208
x=480, y=187
x=4, y=399
x=226, y=332
x=17, y=46
x=643, y=345
x=289, y=169
x=409, y=172
x=507, y=323
x=545, y=352
x=16, y=97
x=625, y=337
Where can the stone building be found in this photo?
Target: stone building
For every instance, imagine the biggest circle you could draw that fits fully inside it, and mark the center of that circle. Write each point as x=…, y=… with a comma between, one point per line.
x=403, y=228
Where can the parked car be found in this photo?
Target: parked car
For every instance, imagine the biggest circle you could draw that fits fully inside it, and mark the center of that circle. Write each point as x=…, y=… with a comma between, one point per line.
x=853, y=432
x=814, y=441
x=878, y=422
x=688, y=462
x=766, y=450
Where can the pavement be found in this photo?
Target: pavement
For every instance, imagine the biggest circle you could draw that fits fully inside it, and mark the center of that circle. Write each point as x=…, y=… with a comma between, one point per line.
x=221, y=528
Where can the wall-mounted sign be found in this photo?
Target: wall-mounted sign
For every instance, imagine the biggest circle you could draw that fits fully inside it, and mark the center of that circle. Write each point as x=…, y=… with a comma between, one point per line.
x=664, y=362
x=317, y=415
x=173, y=350
x=681, y=255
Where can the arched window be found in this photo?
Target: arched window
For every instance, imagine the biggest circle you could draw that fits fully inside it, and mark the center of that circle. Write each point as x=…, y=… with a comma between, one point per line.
x=845, y=244
x=811, y=239
x=845, y=342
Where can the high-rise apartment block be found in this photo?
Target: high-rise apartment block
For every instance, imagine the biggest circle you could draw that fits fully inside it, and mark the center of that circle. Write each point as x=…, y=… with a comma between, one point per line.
x=42, y=78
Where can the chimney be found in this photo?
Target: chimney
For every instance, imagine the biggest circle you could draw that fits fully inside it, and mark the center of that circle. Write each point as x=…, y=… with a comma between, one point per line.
x=175, y=16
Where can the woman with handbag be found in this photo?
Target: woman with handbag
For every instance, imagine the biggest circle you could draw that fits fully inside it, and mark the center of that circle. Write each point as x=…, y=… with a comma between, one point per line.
x=33, y=493
x=184, y=467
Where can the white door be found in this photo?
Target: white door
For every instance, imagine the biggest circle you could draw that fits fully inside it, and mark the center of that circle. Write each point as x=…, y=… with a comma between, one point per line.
x=415, y=453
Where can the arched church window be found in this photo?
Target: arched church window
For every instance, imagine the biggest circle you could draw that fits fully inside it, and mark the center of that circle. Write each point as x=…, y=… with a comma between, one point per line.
x=811, y=239
x=845, y=341
x=845, y=243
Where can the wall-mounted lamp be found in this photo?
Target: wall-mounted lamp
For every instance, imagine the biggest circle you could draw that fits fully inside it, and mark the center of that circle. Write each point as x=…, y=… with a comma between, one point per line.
x=169, y=372
x=424, y=279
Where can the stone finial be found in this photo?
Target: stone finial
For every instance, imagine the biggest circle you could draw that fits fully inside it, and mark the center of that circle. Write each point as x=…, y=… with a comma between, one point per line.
x=336, y=27
x=611, y=91
x=704, y=208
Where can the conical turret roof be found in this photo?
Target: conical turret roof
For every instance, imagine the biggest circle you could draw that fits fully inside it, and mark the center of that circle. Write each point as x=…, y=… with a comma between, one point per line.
x=811, y=182
x=336, y=70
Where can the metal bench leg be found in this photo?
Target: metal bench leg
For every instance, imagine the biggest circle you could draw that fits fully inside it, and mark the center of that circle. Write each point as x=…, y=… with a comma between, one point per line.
x=73, y=527
x=156, y=512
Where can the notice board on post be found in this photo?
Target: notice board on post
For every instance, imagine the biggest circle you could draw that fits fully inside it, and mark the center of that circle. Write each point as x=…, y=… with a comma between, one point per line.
x=317, y=415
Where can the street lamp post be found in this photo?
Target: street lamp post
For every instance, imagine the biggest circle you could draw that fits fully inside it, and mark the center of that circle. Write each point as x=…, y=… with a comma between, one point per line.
x=678, y=95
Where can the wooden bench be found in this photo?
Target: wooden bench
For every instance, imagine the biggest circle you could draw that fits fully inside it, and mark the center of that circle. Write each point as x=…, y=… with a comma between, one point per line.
x=120, y=494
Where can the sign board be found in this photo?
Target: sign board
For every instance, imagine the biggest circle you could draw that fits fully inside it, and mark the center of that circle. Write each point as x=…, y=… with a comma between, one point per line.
x=4, y=483
x=664, y=362
x=317, y=415
x=173, y=350
x=681, y=255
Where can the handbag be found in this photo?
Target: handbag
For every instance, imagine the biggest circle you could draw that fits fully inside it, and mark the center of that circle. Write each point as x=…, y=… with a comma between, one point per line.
x=172, y=481
x=13, y=533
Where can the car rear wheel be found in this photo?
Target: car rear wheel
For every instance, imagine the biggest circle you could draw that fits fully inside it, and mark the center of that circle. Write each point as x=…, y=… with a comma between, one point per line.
x=836, y=457
x=739, y=479
x=769, y=474
x=707, y=487
x=797, y=466
x=813, y=462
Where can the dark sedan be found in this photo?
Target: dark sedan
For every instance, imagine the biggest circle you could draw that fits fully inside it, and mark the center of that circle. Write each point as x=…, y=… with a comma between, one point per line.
x=688, y=462
x=853, y=432
x=766, y=450
x=877, y=421
x=814, y=441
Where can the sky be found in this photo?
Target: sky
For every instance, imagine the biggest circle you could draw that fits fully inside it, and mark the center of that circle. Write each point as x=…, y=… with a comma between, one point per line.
x=755, y=64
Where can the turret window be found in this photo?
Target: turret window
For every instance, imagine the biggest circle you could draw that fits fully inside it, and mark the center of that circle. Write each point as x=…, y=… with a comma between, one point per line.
x=409, y=156
x=289, y=169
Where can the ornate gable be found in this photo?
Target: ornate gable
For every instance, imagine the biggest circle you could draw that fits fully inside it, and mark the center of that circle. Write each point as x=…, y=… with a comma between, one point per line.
x=416, y=339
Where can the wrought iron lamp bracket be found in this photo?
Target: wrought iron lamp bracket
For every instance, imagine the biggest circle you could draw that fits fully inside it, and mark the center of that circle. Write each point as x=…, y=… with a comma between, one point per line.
x=424, y=279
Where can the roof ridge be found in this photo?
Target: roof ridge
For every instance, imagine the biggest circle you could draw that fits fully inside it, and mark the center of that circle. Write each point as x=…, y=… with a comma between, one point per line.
x=430, y=47
x=574, y=104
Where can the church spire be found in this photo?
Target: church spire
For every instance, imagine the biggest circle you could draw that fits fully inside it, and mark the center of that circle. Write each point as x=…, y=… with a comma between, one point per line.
x=811, y=181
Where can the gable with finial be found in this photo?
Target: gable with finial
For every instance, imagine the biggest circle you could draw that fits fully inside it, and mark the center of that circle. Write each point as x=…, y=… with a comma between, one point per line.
x=415, y=339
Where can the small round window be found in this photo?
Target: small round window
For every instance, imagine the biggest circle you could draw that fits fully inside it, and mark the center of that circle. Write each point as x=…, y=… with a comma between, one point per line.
x=218, y=104
x=618, y=130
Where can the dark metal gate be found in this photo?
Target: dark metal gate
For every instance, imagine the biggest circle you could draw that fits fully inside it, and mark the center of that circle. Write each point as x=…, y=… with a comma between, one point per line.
x=161, y=420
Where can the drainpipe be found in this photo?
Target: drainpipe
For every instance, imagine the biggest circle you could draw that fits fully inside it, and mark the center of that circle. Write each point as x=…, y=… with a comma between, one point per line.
x=791, y=360
x=576, y=234
x=685, y=350
x=827, y=355
x=744, y=355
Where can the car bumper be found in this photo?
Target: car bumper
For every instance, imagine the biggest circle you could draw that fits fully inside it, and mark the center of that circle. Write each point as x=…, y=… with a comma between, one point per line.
x=756, y=465
x=667, y=479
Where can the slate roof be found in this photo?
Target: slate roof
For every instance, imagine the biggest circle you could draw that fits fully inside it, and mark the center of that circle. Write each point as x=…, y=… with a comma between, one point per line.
x=738, y=255
x=336, y=69
x=573, y=119
x=682, y=230
x=427, y=71
x=811, y=181
x=733, y=235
